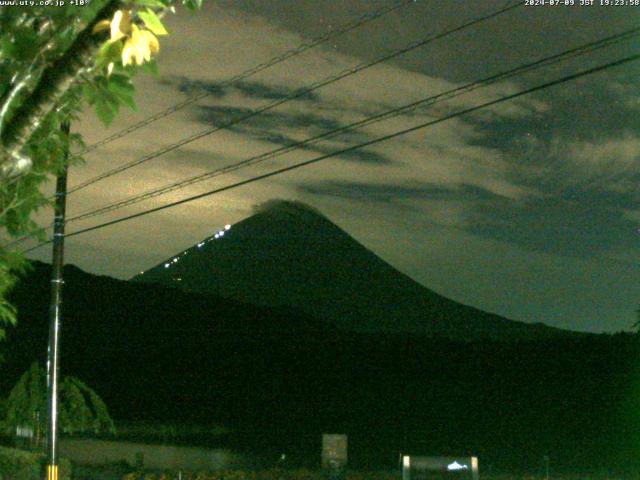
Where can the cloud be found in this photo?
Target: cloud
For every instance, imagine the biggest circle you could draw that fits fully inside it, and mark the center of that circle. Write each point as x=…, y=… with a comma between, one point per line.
x=250, y=89
x=271, y=120
x=550, y=175
x=583, y=225
x=581, y=228
x=270, y=127
x=607, y=161
x=391, y=193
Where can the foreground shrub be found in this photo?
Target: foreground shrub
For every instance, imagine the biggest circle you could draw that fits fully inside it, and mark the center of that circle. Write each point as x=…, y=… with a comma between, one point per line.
x=22, y=465
x=301, y=474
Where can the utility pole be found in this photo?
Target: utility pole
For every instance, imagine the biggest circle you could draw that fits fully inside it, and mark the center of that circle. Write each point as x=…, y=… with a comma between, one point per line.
x=54, y=316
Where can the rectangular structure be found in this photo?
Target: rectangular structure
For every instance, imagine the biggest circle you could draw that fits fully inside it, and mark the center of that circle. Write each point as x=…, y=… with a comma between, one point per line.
x=334, y=451
x=426, y=468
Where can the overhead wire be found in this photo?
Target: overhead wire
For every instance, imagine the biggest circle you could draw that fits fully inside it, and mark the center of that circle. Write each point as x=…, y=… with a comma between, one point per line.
x=383, y=138
x=303, y=47
x=297, y=94
x=428, y=101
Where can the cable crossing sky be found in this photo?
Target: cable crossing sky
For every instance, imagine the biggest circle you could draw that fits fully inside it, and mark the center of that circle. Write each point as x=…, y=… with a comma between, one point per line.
x=298, y=94
x=303, y=47
x=395, y=134
x=431, y=100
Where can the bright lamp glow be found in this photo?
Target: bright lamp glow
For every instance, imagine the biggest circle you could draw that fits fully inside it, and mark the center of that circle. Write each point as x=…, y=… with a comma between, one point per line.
x=456, y=466
x=227, y=227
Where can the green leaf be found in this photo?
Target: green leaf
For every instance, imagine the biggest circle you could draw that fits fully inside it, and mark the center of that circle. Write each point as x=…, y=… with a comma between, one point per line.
x=7, y=313
x=150, y=3
x=192, y=4
x=111, y=98
x=121, y=86
x=105, y=111
x=129, y=102
x=26, y=42
x=150, y=67
x=7, y=48
x=89, y=93
x=110, y=51
x=152, y=22
x=80, y=409
x=121, y=80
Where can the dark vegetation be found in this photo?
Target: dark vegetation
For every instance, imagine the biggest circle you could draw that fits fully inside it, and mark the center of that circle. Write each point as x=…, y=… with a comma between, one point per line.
x=277, y=379
x=22, y=465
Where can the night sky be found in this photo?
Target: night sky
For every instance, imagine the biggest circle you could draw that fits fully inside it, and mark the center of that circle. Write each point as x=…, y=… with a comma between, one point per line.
x=529, y=209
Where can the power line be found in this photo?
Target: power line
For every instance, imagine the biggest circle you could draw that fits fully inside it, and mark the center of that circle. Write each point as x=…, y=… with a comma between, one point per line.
x=303, y=47
x=362, y=20
x=543, y=86
x=544, y=62
x=299, y=93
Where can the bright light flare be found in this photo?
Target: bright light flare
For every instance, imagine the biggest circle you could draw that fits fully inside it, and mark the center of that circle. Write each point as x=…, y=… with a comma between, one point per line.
x=456, y=466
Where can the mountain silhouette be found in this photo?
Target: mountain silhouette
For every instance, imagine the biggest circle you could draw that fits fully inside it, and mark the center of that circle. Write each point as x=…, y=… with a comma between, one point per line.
x=289, y=254
x=276, y=378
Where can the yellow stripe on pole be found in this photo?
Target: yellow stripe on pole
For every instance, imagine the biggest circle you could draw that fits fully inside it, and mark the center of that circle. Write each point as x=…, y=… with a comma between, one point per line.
x=52, y=472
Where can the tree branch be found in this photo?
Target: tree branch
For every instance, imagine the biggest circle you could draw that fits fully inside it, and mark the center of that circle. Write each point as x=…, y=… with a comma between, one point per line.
x=54, y=83
x=12, y=96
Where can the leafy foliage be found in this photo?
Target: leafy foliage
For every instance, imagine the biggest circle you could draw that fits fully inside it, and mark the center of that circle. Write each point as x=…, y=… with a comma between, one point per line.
x=51, y=61
x=24, y=465
x=80, y=409
x=273, y=474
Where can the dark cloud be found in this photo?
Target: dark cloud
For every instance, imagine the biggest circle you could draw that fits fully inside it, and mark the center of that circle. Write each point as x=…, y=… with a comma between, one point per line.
x=579, y=209
x=359, y=155
x=588, y=111
x=287, y=205
x=587, y=195
x=574, y=228
x=269, y=126
x=256, y=90
x=194, y=87
x=274, y=92
x=390, y=193
x=362, y=156
x=217, y=115
x=586, y=225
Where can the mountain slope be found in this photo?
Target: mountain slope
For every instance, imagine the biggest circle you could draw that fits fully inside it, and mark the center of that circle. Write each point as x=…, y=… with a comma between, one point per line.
x=290, y=254
x=141, y=339
x=277, y=379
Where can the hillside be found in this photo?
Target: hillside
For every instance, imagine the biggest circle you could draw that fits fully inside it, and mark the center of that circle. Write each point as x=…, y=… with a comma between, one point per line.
x=277, y=379
x=288, y=254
